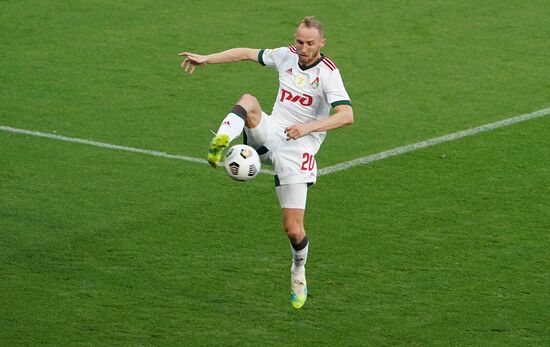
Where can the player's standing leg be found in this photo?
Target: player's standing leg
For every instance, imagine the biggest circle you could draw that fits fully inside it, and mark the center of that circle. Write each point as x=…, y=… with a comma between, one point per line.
x=246, y=111
x=293, y=220
x=292, y=198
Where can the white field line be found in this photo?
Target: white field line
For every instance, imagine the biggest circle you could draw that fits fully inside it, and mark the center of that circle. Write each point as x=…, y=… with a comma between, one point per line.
x=108, y=145
x=432, y=142
x=324, y=171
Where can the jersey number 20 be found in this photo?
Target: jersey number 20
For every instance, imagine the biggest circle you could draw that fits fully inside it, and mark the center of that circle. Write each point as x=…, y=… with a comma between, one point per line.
x=308, y=162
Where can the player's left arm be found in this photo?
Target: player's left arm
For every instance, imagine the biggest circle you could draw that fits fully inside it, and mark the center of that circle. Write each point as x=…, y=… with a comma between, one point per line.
x=343, y=116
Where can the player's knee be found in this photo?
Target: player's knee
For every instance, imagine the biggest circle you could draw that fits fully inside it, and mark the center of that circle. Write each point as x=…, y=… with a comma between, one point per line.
x=249, y=102
x=252, y=106
x=294, y=230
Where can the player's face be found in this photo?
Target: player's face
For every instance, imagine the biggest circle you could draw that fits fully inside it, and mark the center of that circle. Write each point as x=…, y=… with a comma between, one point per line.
x=308, y=44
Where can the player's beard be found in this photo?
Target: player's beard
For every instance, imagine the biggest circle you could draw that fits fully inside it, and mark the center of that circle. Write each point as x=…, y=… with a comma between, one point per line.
x=310, y=58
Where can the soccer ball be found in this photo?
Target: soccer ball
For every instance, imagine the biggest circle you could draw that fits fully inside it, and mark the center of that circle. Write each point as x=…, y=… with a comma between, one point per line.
x=242, y=162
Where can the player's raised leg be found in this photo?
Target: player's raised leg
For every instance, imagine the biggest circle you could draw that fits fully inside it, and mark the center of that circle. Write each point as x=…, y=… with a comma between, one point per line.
x=246, y=111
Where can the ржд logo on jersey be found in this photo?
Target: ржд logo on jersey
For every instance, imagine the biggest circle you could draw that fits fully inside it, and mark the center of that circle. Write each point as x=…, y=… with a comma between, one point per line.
x=304, y=100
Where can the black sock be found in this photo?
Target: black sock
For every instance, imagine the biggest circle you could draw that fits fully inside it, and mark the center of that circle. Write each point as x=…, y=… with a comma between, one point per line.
x=298, y=247
x=239, y=111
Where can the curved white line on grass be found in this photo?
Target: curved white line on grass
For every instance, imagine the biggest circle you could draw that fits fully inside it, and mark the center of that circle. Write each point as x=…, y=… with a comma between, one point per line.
x=324, y=171
x=108, y=145
x=431, y=142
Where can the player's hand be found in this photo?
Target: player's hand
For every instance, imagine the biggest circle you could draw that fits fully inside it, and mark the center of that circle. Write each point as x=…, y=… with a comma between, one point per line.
x=192, y=61
x=296, y=131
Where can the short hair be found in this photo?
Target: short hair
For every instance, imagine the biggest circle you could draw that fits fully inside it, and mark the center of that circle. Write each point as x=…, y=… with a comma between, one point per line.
x=312, y=22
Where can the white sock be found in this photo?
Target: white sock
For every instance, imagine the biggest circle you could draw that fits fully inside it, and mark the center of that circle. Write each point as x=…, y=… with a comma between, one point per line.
x=299, y=259
x=232, y=125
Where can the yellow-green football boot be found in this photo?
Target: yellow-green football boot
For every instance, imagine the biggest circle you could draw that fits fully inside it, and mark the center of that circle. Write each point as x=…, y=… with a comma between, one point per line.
x=218, y=144
x=298, y=289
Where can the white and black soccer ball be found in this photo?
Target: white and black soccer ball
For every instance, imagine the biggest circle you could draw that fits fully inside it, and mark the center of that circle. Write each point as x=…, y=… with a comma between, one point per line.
x=242, y=162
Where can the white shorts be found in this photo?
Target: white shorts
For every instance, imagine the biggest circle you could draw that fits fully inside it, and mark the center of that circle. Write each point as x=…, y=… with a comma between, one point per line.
x=293, y=160
x=292, y=195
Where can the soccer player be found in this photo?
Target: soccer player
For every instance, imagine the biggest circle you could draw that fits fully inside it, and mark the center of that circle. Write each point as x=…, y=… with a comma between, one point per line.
x=310, y=86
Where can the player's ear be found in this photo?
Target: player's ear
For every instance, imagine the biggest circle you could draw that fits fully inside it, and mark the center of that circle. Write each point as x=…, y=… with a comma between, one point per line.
x=322, y=43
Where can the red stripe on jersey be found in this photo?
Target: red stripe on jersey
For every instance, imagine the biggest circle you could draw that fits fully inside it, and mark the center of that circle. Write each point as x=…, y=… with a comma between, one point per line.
x=292, y=49
x=328, y=64
x=331, y=62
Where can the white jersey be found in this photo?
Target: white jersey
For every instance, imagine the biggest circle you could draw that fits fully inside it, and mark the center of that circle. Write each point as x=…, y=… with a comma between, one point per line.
x=305, y=94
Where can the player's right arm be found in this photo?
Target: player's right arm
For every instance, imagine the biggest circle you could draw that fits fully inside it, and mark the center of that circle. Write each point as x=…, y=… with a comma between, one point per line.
x=193, y=60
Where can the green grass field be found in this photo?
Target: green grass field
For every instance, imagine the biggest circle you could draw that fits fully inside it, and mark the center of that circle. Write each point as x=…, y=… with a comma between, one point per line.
x=443, y=246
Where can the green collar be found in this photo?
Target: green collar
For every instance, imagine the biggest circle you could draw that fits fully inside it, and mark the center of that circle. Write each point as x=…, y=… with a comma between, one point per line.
x=304, y=68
